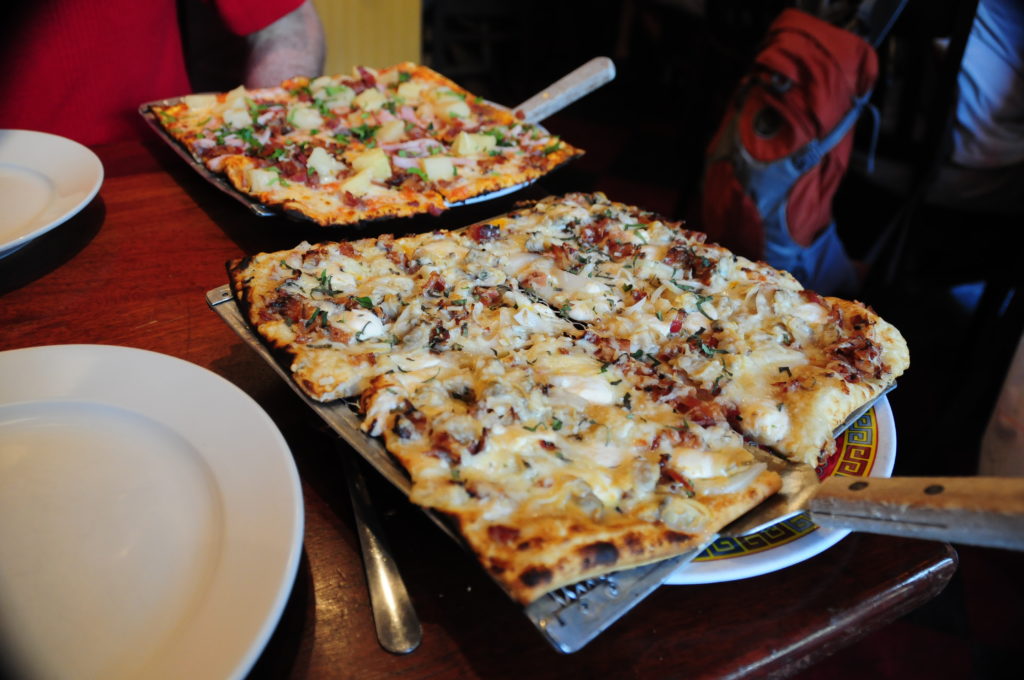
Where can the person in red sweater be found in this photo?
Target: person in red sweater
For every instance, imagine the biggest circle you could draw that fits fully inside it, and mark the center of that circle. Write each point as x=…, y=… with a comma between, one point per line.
x=80, y=69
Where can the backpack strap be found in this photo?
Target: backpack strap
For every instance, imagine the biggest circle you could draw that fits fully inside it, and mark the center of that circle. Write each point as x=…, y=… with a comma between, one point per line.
x=878, y=17
x=809, y=156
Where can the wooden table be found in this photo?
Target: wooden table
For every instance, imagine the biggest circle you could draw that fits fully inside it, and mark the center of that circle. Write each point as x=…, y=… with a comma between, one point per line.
x=132, y=269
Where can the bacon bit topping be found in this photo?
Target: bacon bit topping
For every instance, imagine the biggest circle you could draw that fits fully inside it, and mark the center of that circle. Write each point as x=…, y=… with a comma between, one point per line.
x=484, y=232
x=594, y=233
x=669, y=475
x=368, y=78
x=856, y=357
x=534, y=279
x=502, y=534
x=339, y=335
x=489, y=296
x=620, y=251
x=798, y=383
x=696, y=236
x=284, y=306
x=409, y=422
x=564, y=257
x=608, y=350
x=443, y=447
x=346, y=249
x=438, y=336
x=478, y=446
x=435, y=285
x=704, y=413
x=694, y=265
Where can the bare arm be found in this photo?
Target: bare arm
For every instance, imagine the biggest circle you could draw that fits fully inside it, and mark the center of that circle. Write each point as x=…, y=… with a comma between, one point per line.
x=291, y=46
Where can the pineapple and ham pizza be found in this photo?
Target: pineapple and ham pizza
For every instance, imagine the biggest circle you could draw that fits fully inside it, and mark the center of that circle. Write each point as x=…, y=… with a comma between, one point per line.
x=578, y=384
x=395, y=142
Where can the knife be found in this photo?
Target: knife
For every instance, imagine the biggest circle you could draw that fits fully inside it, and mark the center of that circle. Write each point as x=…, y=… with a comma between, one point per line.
x=983, y=511
x=398, y=627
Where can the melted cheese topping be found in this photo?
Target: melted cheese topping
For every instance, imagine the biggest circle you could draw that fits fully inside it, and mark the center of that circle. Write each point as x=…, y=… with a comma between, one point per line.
x=579, y=362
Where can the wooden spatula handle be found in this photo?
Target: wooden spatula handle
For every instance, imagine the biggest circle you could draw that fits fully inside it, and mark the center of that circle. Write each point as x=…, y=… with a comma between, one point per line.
x=987, y=511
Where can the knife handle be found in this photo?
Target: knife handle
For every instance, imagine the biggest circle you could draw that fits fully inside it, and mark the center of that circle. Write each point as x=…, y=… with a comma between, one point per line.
x=986, y=511
x=398, y=627
x=579, y=83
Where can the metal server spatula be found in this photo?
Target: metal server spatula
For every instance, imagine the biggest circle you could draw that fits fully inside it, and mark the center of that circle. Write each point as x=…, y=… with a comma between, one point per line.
x=571, y=617
x=985, y=511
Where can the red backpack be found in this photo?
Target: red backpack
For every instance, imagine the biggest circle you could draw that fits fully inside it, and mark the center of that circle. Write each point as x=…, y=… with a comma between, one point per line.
x=783, y=146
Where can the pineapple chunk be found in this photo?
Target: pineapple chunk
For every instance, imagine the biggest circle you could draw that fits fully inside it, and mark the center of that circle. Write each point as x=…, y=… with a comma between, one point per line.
x=236, y=97
x=238, y=116
x=410, y=91
x=473, y=144
x=391, y=131
x=370, y=99
x=324, y=164
x=305, y=118
x=438, y=167
x=451, y=108
x=358, y=184
x=262, y=180
x=374, y=160
x=200, y=101
x=331, y=92
x=388, y=78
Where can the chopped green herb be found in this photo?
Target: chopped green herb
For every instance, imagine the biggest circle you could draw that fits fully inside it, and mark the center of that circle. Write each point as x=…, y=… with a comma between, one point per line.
x=364, y=132
x=365, y=302
x=701, y=299
x=312, y=319
x=247, y=135
x=551, y=148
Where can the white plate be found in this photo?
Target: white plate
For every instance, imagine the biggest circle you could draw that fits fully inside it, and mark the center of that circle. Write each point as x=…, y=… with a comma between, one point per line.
x=44, y=181
x=150, y=516
x=866, y=449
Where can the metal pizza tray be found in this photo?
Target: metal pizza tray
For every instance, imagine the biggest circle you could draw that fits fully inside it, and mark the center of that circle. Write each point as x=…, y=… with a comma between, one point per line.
x=568, y=617
x=552, y=99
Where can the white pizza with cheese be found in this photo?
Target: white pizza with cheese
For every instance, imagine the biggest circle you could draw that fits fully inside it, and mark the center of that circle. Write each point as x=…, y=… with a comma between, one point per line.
x=577, y=384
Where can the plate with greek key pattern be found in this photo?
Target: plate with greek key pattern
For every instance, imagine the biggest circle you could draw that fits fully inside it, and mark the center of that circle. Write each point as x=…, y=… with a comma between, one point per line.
x=866, y=449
